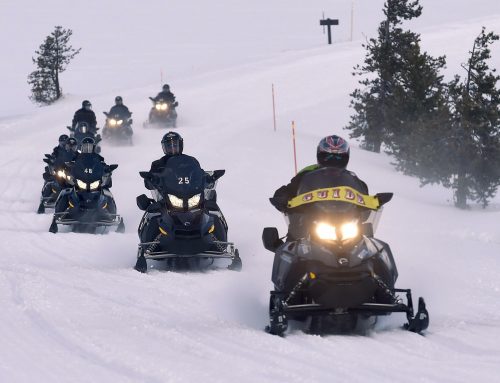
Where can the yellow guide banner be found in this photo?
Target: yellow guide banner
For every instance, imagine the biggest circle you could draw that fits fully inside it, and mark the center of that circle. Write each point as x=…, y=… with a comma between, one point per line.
x=338, y=193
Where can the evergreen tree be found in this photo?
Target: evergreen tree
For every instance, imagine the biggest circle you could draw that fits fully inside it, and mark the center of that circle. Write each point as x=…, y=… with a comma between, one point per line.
x=393, y=63
x=475, y=103
x=460, y=146
x=53, y=56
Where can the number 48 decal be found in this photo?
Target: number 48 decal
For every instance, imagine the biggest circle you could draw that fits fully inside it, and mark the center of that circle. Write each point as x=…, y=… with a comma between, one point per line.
x=183, y=180
x=88, y=170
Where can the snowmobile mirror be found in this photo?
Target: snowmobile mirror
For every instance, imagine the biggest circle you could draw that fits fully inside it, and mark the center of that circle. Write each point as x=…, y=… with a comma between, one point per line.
x=218, y=174
x=383, y=198
x=46, y=160
x=48, y=155
x=143, y=202
x=271, y=239
x=144, y=175
x=367, y=229
x=176, y=104
x=152, y=99
x=70, y=128
x=105, y=113
x=113, y=167
x=130, y=121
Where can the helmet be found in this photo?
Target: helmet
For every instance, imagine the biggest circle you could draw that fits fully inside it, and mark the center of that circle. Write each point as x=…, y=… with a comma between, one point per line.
x=86, y=105
x=333, y=151
x=62, y=140
x=118, y=100
x=172, y=144
x=88, y=145
x=166, y=88
x=71, y=144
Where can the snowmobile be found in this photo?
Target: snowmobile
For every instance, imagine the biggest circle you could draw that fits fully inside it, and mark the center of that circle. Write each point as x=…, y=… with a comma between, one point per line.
x=81, y=131
x=117, y=128
x=56, y=178
x=182, y=223
x=88, y=206
x=333, y=274
x=163, y=113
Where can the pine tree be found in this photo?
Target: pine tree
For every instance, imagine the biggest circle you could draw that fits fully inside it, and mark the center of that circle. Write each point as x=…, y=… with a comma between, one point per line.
x=393, y=63
x=476, y=126
x=53, y=56
x=459, y=146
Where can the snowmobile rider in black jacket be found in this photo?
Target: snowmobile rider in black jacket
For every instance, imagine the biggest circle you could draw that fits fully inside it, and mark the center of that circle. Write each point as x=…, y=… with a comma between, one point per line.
x=165, y=95
x=63, y=139
x=85, y=114
x=120, y=109
x=332, y=153
x=172, y=144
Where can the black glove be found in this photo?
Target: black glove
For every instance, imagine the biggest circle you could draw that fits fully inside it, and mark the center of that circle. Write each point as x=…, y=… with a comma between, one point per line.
x=279, y=203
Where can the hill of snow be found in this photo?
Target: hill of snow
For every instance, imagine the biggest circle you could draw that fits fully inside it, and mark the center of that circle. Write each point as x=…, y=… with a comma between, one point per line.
x=74, y=310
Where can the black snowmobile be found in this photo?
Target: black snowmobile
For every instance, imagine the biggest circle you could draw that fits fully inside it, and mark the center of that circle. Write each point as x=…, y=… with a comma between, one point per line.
x=81, y=131
x=88, y=206
x=334, y=274
x=56, y=178
x=183, y=223
x=163, y=113
x=118, y=129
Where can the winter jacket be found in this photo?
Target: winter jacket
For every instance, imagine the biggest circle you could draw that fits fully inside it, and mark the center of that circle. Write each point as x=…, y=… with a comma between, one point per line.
x=166, y=96
x=84, y=115
x=121, y=110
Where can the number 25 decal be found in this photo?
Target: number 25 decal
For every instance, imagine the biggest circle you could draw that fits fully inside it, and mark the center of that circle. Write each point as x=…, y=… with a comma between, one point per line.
x=183, y=180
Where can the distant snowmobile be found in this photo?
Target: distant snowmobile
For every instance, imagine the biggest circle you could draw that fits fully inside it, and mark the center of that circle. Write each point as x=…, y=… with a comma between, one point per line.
x=88, y=205
x=183, y=224
x=163, y=113
x=337, y=277
x=117, y=129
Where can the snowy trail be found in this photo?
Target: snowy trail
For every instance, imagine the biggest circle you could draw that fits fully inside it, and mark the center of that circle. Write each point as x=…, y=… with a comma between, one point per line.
x=73, y=309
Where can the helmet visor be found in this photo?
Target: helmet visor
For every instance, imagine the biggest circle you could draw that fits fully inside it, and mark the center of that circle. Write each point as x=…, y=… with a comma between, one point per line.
x=171, y=147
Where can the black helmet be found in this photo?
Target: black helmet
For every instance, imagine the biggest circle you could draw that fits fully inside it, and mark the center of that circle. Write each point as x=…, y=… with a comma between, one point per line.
x=166, y=88
x=62, y=140
x=172, y=144
x=88, y=145
x=118, y=100
x=333, y=151
x=86, y=105
x=71, y=144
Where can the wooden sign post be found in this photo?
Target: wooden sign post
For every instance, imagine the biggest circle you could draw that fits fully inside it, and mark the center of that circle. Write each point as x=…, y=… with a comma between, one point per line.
x=329, y=23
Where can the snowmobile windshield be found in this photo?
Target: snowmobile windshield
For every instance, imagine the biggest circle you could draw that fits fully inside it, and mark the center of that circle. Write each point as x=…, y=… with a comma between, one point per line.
x=182, y=177
x=87, y=172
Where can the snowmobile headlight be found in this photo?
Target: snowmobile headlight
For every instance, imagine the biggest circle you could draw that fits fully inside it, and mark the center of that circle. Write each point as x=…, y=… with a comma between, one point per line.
x=112, y=122
x=326, y=231
x=349, y=230
x=176, y=201
x=119, y=122
x=81, y=184
x=194, y=201
x=94, y=185
x=158, y=106
x=164, y=106
x=61, y=174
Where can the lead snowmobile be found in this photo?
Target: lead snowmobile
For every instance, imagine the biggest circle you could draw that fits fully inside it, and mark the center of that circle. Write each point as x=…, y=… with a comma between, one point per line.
x=182, y=223
x=88, y=206
x=336, y=276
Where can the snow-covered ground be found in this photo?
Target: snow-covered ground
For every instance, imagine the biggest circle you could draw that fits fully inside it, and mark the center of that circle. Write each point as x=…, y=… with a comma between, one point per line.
x=74, y=310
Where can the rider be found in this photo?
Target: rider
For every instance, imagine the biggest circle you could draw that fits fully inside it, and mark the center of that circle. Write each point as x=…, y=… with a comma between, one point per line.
x=63, y=138
x=85, y=114
x=119, y=108
x=332, y=155
x=165, y=95
x=172, y=144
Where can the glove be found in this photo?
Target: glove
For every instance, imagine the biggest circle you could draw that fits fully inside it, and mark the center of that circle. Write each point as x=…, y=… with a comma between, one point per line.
x=280, y=203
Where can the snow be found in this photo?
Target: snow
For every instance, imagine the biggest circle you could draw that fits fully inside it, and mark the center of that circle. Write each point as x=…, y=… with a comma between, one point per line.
x=74, y=310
